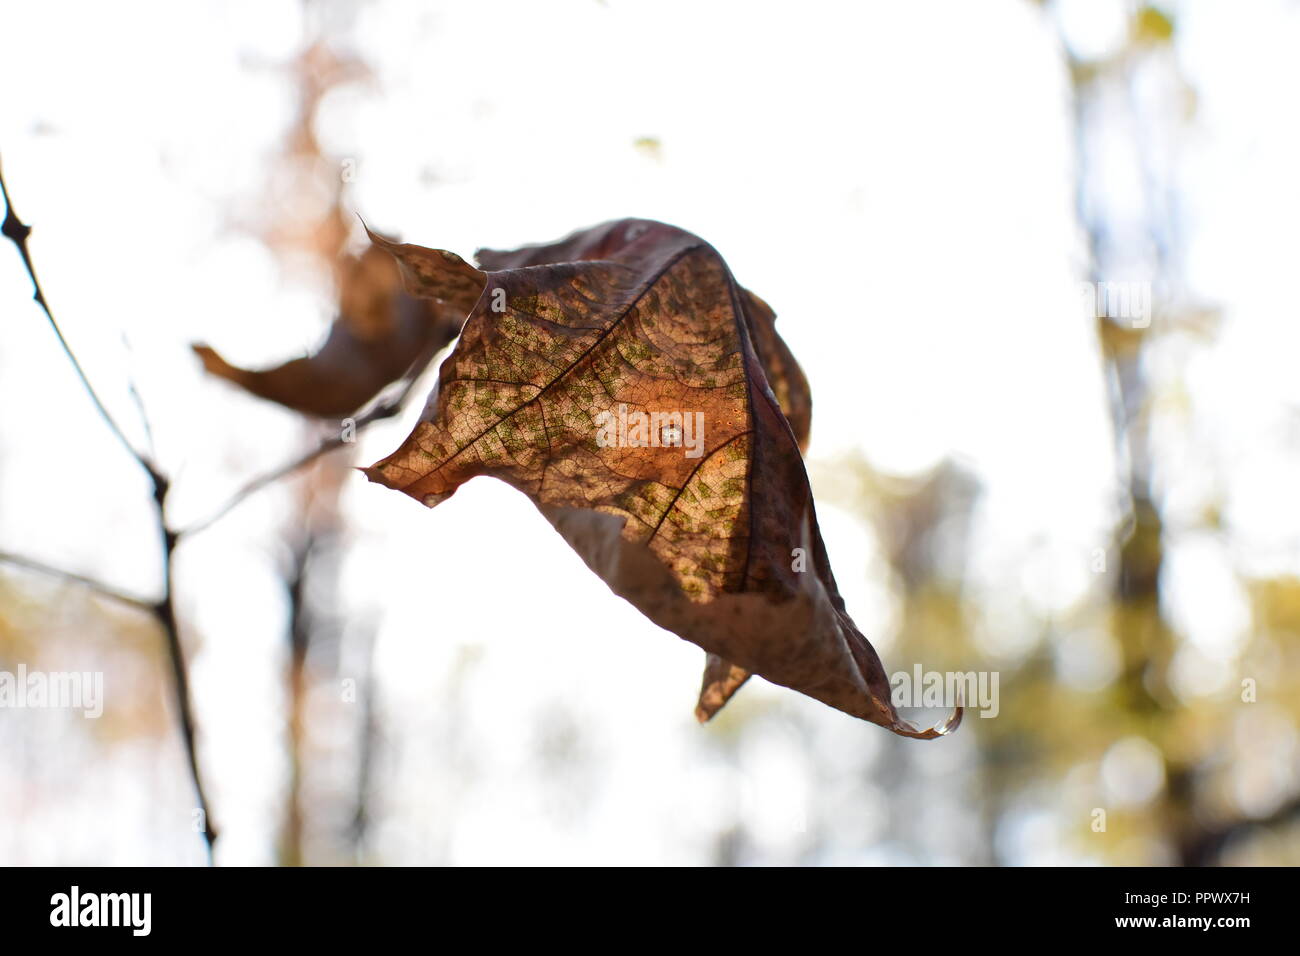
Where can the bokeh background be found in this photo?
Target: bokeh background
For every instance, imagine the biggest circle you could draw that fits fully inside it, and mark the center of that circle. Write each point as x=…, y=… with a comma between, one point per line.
x=1104, y=514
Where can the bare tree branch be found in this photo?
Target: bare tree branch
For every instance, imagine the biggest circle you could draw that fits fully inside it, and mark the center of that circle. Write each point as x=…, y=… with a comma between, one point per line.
x=99, y=587
x=165, y=610
x=18, y=231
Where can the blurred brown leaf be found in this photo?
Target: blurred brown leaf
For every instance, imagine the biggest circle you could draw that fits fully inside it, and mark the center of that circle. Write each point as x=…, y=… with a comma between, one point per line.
x=381, y=335
x=705, y=524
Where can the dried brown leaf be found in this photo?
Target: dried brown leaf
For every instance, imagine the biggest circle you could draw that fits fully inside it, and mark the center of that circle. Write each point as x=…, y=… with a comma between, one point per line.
x=721, y=548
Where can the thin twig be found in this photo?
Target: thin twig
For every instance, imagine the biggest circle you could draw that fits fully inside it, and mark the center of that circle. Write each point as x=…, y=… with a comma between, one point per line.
x=18, y=231
x=99, y=587
x=384, y=410
x=164, y=610
x=144, y=417
x=261, y=481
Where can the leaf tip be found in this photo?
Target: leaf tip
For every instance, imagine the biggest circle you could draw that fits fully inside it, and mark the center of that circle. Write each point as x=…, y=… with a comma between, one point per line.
x=373, y=473
x=382, y=242
x=213, y=363
x=944, y=728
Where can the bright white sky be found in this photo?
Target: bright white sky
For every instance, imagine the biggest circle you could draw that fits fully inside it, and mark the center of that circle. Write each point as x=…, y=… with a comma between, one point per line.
x=894, y=178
